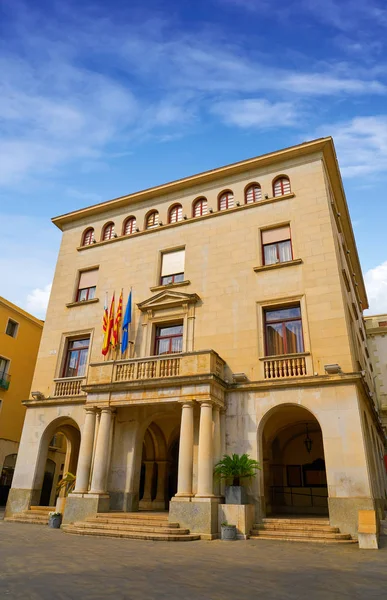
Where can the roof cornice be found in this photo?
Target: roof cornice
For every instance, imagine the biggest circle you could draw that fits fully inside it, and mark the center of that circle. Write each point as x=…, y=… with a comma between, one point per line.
x=20, y=311
x=199, y=179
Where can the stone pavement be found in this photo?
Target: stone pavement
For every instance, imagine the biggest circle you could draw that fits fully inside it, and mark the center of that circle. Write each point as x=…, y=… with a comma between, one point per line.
x=38, y=563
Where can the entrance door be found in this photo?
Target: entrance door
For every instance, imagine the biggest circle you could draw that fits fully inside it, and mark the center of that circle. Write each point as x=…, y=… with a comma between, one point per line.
x=294, y=464
x=47, y=483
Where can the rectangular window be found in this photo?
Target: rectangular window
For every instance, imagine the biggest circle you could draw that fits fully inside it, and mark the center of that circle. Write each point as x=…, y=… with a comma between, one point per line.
x=169, y=339
x=12, y=327
x=276, y=245
x=87, y=285
x=4, y=377
x=172, y=267
x=283, y=331
x=76, y=357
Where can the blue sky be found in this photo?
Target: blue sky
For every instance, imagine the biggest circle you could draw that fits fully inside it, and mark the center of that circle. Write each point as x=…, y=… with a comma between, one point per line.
x=100, y=99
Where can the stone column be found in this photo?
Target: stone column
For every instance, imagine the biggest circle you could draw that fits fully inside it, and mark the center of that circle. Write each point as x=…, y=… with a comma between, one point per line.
x=147, y=497
x=160, y=495
x=206, y=452
x=217, y=444
x=184, y=478
x=86, y=452
x=101, y=458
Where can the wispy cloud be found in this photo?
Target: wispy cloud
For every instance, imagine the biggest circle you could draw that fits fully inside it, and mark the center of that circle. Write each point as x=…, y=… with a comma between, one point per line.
x=376, y=284
x=61, y=104
x=37, y=301
x=256, y=113
x=361, y=144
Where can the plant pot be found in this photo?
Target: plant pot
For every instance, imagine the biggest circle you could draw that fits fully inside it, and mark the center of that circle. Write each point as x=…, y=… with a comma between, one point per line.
x=228, y=532
x=235, y=494
x=55, y=522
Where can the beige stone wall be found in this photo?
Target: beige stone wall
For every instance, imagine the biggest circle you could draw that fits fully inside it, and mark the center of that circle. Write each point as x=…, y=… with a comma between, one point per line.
x=221, y=252
x=377, y=344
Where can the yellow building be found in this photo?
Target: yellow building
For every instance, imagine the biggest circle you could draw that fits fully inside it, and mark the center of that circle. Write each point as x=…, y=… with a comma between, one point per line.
x=20, y=335
x=246, y=336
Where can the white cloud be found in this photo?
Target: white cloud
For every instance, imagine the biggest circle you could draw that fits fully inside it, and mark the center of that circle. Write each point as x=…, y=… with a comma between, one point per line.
x=361, y=144
x=256, y=113
x=376, y=284
x=37, y=301
x=28, y=253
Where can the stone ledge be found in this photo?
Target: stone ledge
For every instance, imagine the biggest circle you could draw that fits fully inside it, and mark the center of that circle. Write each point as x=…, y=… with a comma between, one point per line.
x=160, y=288
x=81, y=302
x=280, y=265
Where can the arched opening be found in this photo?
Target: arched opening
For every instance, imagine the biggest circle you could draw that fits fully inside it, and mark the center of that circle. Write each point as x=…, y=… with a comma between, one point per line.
x=6, y=477
x=294, y=475
x=58, y=454
x=159, y=466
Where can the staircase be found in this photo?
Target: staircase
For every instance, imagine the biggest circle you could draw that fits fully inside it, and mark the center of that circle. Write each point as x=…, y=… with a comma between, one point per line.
x=300, y=530
x=37, y=515
x=134, y=526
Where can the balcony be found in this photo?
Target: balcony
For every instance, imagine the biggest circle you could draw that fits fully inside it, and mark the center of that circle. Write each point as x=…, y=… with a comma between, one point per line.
x=5, y=380
x=285, y=366
x=188, y=364
x=68, y=387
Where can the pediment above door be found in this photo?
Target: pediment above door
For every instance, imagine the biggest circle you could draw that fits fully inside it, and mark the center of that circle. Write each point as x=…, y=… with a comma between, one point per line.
x=167, y=299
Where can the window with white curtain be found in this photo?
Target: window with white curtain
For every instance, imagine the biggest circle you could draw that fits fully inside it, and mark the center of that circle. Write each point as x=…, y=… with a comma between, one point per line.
x=276, y=245
x=87, y=285
x=172, y=267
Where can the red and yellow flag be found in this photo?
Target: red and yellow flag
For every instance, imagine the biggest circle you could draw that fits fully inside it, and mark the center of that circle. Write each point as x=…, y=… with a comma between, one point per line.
x=117, y=323
x=108, y=330
x=105, y=314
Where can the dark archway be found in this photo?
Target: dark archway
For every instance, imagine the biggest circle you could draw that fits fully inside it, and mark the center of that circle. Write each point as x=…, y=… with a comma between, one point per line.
x=6, y=477
x=294, y=475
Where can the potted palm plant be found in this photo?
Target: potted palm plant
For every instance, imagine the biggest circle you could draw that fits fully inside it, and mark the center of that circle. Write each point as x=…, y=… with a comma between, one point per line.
x=233, y=469
x=66, y=485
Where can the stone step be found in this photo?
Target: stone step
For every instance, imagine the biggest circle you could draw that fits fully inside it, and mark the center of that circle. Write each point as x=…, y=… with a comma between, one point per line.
x=134, y=522
x=137, y=527
x=284, y=533
x=29, y=520
x=292, y=538
x=156, y=516
x=130, y=534
x=298, y=521
x=44, y=509
x=295, y=527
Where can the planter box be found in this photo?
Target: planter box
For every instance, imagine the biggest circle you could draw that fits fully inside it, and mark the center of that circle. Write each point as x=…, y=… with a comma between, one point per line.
x=228, y=532
x=243, y=515
x=235, y=494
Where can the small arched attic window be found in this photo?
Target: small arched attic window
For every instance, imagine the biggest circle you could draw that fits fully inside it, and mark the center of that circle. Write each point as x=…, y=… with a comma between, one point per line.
x=88, y=237
x=281, y=186
x=108, y=231
x=199, y=207
x=226, y=200
x=152, y=220
x=129, y=226
x=175, y=213
x=253, y=193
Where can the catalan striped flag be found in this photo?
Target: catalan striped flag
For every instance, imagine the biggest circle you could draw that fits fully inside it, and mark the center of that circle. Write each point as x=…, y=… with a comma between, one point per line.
x=105, y=314
x=109, y=329
x=117, y=324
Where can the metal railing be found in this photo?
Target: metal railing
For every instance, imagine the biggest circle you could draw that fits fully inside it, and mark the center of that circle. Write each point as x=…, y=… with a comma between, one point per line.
x=278, y=492
x=5, y=380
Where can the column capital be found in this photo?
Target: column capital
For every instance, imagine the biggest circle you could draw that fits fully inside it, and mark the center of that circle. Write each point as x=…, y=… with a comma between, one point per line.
x=206, y=402
x=91, y=409
x=108, y=409
x=189, y=403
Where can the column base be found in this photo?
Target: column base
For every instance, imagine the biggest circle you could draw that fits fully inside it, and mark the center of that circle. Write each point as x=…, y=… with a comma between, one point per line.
x=199, y=515
x=82, y=506
x=368, y=541
x=20, y=500
x=241, y=515
x=344, y=512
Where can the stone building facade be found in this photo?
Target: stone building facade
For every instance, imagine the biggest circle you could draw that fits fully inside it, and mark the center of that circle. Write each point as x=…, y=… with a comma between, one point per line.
x=246, y=336
x=376, y=330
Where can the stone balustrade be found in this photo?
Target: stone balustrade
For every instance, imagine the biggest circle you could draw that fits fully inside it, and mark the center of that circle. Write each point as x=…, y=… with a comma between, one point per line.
x=69, y=386
x=284, y=367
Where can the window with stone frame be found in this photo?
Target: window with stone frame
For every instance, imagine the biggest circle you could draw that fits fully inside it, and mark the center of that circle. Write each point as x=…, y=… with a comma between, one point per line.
x=169, y=339
x=172, y=267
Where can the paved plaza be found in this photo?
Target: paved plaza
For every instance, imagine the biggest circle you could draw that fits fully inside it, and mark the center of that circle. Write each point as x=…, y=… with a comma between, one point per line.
x=41, y=563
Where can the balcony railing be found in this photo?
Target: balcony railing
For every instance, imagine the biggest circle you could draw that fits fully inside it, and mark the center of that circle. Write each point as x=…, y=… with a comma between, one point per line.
x=284, y=367
x=5, y=380
x=156, y=367
x=69, y=386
